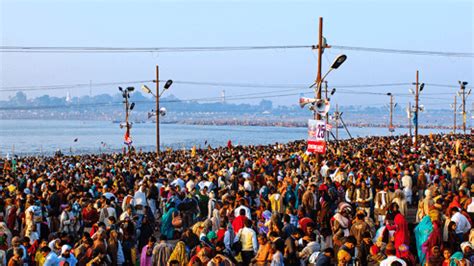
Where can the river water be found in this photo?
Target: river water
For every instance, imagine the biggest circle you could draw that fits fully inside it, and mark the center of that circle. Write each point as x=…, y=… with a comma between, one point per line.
x=28, y=137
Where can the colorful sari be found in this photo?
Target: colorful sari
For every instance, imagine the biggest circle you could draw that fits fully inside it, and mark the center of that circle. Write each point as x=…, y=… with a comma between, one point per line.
x=422, y=232
x=166, y=226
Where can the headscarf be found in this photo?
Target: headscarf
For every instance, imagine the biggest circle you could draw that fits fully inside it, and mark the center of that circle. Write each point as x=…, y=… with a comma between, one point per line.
x=455, y=257
x=179, y=254
x=465, y=245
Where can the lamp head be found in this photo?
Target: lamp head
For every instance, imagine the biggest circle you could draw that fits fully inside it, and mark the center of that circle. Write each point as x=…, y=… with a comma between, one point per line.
x=338, y=61
x=422, y=86
x=168, y=84
x=333, y=91
x=145, y=89
x=389, y=94
x=130, y=89
x=132, y=106
x=120, y=89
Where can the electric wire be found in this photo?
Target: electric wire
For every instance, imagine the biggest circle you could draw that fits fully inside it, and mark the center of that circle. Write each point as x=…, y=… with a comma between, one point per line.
x=79, y=49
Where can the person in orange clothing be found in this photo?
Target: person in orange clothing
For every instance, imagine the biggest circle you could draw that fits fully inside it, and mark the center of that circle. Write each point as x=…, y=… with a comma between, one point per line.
x=264, y=256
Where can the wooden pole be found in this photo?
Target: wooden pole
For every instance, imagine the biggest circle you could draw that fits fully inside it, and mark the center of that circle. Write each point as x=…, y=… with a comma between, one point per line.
x=416, y=109
x=318, y=81
x=463, y=98
x=337, y=121
x=157, y=111
x=327, y=116
x=409, y=117
x=391, y=114
x=455, y=108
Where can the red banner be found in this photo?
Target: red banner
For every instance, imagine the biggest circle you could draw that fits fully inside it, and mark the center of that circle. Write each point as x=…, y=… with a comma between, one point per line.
x=317, y=146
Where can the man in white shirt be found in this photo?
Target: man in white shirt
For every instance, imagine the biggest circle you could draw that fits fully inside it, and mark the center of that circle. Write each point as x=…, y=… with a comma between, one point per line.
x=462, y=224
x=324, y=170
x=248, y=237
x=390, y=252
x=248, y=212
x=407, y=183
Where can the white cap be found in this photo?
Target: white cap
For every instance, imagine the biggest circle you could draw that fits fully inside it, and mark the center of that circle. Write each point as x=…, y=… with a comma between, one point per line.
x=65, y=248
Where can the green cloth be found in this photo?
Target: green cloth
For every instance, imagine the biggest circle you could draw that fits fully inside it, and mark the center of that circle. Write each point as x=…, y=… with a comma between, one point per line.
x=422, y=232
x=166, y=226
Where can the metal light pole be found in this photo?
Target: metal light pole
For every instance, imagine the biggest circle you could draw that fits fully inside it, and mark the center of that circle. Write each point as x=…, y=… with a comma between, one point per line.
x=392, y=105
x=455, y=109
x=159, y=111
x=463, y=98
x=128, y=107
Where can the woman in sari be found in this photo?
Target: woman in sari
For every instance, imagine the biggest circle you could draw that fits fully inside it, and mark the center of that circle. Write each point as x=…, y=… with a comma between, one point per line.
x=399, y=225
x=166, y=221
x=179, y=255
x=435, y=238
x=146, y=256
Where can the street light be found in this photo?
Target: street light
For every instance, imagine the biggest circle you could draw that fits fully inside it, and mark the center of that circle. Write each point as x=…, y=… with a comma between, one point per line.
x=128, y=107
x=340, y=59
x=159, y=111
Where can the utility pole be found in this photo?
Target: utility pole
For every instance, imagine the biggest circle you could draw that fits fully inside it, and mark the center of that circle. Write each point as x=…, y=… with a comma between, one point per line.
x=391, y=113
x=157, y=112
x=409, y=112
x=419, y=87
x=416, y=110
x=127, y=124
x=455, y=108
x=390, y=126
x=327, y=116
x=128, y=107
x=337, y=121
x=463, y=99
x=318, y=82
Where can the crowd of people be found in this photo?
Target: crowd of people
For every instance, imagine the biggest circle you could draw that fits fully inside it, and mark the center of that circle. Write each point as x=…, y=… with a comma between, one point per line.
x=366, y=201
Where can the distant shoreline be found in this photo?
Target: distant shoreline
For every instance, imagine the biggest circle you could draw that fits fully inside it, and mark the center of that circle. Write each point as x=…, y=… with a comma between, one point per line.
x=258, y=123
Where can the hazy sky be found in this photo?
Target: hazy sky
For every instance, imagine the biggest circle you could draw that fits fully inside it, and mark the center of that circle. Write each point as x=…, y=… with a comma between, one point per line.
x=415, y=25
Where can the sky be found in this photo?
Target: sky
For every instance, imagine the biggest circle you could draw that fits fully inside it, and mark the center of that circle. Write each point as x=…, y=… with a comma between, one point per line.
x=445, y=26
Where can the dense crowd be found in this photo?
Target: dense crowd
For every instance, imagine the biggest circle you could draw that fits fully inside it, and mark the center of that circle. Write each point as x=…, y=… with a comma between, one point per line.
x=367, y=201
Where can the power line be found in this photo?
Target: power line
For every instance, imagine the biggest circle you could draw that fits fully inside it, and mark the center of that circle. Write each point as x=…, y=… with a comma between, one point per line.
x=64, y=49
x=69, y=86
x=403, y=51
x=78, y=49
x=197, y=83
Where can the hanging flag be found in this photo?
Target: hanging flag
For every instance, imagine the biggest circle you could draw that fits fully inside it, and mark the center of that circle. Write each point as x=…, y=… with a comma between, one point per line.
x=229, y=144
x=127, y=138
x=193, y=151
x=328, y=127
x=415, y=119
